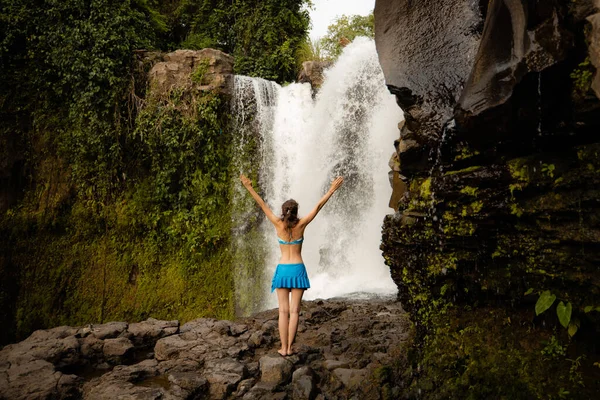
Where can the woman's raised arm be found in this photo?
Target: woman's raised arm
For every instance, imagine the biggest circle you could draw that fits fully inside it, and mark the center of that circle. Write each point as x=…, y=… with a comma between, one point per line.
x=263, y=206
x=335, y=185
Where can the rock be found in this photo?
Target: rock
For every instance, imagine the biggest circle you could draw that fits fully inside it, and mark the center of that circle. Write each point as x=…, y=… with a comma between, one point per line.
x=91, y=346
x=222, y=384
x=37, y=379
x=333, y=364
x=109, y=330
x=200, y=326
x=275, y=369
x=115, y=350
x=303, y=386
x=260, y=391
x=312, y=72
x=125, y=382
x=508, y=51
x=244, y=386
x=195, y=363
x=188, y=384
x=226, y=365
x=147, y=332
x=256, y=339
x=426, y=68
x=351, y=378
x=177, y=346
x=213, y=70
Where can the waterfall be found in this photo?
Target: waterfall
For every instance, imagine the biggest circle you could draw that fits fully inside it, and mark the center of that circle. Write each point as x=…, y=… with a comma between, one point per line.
x=303, y=144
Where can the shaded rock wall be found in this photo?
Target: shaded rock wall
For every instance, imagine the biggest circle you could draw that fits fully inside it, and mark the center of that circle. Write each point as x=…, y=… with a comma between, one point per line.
x=503, y=205
x=426, y=54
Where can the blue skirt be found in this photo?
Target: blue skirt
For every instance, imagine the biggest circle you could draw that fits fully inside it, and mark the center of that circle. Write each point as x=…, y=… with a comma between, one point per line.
x=290, y=276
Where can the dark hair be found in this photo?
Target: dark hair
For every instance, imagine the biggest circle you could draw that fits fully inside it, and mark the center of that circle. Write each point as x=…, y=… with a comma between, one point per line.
x=289, y=213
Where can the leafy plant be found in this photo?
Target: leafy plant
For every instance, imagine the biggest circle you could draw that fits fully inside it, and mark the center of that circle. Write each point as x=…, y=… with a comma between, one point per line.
x=544, y=302
x=344, y=30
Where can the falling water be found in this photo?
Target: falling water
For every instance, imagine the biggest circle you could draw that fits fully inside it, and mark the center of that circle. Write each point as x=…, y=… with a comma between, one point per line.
x=347, y=130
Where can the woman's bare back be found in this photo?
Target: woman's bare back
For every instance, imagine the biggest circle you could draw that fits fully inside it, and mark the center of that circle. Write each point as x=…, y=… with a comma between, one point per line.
x=290, y=253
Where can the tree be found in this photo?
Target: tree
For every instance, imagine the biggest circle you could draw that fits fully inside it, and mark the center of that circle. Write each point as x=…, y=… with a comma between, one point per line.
x=344, y=30
x=264, y=36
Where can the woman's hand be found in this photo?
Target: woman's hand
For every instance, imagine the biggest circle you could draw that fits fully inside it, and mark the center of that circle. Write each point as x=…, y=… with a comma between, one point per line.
x=335, y=185
x=245, y=181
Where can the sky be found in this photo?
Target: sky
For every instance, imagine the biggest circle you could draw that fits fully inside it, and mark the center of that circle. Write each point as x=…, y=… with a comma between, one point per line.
x=325, y=12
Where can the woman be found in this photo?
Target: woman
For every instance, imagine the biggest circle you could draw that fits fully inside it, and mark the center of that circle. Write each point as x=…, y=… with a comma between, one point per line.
x=290, y=276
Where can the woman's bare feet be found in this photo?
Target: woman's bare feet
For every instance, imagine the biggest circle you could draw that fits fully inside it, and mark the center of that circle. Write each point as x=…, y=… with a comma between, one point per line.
x=290, y=352
x=282, y=352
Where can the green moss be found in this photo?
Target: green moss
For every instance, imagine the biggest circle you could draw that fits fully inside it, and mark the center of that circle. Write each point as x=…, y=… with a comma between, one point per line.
x=463, y=171
x=426, y=189
x=465, y=153
x=469, y=190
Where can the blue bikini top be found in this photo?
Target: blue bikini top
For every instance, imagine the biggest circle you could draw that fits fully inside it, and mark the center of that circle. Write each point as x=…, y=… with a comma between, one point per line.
x=297, y=241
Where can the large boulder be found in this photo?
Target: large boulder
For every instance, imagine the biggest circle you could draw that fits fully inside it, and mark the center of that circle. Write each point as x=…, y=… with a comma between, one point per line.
x=206, y=69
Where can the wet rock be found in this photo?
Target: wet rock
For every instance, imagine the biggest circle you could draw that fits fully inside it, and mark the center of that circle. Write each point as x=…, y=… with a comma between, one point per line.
x=312, y=72
x=427, y=68
x=507, y=52
x=275, y=369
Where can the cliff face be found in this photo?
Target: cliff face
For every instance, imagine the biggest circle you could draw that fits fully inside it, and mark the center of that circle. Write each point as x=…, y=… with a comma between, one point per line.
x=501, y=221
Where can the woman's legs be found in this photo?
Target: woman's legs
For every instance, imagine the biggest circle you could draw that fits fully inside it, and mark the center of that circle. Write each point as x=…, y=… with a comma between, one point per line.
x=283, y=297
x=294, y=315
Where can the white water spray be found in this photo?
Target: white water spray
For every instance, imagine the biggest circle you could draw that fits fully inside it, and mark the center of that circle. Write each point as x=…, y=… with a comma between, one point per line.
x=347, y=130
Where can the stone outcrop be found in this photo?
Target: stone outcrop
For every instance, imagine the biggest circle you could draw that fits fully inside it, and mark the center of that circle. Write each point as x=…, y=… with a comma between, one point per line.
x=206, y=69
x=502, y=205
x=313, y=72
x=343, y=345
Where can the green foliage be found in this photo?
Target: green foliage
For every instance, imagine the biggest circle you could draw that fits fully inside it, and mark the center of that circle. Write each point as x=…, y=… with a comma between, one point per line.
x=198, y=73
x=263, y=36
x=344, y=30
x=582, y=76
x=564, y=313
x=310, y=50
x=553, y=349
x=127, y=215
x=544, y=302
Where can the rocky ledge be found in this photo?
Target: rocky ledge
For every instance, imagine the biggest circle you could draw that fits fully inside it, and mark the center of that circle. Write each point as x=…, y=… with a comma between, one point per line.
x=344, y=348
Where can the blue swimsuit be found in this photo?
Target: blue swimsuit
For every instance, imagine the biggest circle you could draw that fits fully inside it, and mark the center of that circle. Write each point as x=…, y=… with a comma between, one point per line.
x=290, y=276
